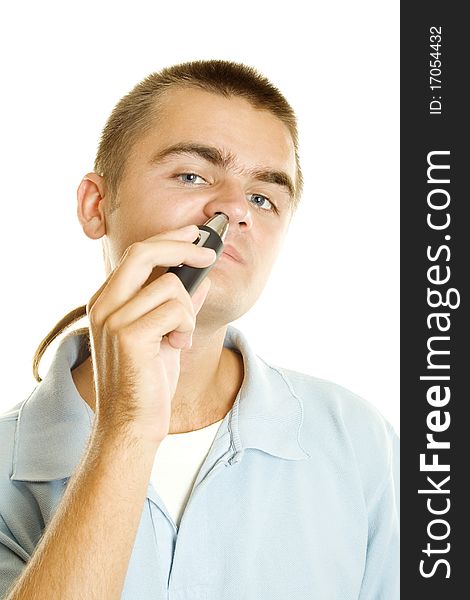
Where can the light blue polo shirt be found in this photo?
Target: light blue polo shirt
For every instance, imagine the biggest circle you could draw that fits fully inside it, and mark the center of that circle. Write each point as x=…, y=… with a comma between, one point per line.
x=297, y=498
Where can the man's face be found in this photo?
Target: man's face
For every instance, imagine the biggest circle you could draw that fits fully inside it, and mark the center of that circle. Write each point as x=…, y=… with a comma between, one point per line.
x=228, y=157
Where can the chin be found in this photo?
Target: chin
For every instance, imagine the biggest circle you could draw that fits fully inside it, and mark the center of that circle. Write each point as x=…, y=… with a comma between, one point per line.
x=223, y=306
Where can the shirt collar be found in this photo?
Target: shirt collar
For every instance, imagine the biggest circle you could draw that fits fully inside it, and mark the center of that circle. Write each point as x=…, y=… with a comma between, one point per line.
x=54, y=423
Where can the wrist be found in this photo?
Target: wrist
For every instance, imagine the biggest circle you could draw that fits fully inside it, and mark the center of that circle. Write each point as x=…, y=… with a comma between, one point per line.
x=123, y=435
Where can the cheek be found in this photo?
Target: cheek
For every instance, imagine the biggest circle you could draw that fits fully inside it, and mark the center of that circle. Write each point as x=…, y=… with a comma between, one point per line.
x=262, y=266
x=268, y=241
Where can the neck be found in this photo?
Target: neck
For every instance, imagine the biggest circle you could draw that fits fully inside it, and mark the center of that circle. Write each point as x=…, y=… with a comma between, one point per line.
x=210, y=378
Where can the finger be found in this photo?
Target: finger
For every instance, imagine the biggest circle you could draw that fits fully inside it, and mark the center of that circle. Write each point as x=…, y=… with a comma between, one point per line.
x=167, y=287
x=186, y=233
x=136, y=268
x=184, y=340
x=171, y=316
x=200, y=294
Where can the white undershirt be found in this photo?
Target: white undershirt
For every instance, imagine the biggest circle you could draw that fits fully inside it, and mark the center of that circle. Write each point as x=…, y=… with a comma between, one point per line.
x=176, y=466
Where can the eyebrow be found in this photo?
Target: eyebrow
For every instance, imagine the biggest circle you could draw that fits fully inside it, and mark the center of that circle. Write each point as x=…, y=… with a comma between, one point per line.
x=225, y=160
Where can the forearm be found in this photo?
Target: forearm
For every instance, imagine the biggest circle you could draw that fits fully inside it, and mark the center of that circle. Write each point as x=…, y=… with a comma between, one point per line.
x=86, y=548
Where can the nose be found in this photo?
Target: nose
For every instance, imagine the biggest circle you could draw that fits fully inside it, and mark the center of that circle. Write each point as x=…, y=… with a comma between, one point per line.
x=231, y=200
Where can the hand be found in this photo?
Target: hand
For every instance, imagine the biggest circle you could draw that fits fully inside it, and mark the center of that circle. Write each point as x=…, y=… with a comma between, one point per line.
x=137, y=333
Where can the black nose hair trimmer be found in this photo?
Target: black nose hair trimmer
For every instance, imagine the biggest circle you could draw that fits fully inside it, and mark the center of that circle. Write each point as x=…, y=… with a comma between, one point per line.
x=211, y=235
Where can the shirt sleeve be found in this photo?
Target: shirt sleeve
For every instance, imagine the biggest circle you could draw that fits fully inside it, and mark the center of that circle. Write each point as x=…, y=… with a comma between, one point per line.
x=381, y=580
x=13, y=560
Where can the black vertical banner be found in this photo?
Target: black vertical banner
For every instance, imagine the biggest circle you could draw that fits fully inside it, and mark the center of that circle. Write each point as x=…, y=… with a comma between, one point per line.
x=435, y=269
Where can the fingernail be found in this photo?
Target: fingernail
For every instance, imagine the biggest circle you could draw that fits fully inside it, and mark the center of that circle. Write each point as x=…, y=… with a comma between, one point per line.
x=212, y=252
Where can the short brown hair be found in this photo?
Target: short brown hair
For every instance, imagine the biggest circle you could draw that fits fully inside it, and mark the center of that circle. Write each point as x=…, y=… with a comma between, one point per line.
x=135, y=114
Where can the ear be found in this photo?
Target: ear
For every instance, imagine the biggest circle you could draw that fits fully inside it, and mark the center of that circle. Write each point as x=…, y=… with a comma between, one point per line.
x=90, y=210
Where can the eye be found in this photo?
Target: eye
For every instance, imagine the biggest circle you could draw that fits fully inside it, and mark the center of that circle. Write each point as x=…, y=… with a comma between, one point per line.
x=190, y=178
x=259, y=200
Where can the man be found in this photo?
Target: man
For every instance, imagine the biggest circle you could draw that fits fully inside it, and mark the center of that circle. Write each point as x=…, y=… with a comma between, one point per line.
x=287, y=483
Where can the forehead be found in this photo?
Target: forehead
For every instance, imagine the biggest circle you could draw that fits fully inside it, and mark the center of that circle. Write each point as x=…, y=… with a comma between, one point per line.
x=255, y=137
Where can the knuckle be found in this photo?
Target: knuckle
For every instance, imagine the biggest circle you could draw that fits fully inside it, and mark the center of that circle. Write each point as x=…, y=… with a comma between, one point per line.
x=93, y=315
x=179, y=310
x=172, y=279
x=110, y=326
x=174, y=283
x=175, y=306
x=135, y=249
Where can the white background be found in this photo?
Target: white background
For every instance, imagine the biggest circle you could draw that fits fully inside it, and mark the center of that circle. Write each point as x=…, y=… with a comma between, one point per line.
x=331, y=307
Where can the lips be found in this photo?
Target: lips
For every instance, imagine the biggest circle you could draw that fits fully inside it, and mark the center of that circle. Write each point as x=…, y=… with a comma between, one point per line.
x=232, y=253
